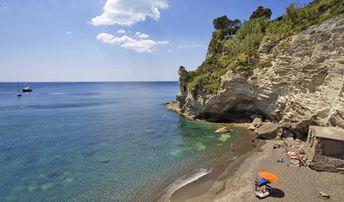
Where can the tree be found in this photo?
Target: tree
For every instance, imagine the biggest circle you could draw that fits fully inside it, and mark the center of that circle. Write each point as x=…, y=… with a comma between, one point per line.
x=233, y=26
x=221, y=23
x=261, y=12
x=226, y=26
x=291, y=12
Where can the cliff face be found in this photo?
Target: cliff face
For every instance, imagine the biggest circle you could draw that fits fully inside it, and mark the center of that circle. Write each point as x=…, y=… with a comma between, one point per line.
x=298, y=82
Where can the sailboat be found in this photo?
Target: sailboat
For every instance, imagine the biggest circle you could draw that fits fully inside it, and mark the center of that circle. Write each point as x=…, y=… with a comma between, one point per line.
x=18, y=92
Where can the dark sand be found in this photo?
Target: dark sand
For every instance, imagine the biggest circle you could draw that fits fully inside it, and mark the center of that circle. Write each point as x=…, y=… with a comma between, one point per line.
x=296, y=184
x=222, y=169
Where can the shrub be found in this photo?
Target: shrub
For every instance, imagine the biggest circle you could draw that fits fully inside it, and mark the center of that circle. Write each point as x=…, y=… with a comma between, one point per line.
x=236, y=51
x=261, y=12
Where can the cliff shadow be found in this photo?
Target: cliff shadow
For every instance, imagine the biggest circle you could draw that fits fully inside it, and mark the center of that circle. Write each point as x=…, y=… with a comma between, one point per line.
x=233, y=116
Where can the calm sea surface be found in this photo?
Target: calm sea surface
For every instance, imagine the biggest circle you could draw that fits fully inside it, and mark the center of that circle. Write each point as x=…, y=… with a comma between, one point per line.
x=98, y=141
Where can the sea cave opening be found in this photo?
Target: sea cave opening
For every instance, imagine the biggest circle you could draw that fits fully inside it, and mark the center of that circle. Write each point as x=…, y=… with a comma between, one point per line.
x=242, y=112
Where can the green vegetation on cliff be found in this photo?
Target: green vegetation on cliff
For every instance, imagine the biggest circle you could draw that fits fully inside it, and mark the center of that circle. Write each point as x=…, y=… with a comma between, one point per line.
x=234, y=45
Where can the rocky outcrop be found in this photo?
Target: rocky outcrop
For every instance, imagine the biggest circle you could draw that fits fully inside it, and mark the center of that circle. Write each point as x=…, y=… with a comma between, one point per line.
x=268, y=131
x=297, y=82
x=257, y=122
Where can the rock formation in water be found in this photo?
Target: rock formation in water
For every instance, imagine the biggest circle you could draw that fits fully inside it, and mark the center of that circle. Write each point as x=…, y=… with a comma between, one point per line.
x=300, y=83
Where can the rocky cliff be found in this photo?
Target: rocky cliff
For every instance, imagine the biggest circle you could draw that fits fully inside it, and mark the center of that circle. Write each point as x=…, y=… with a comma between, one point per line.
x=297, y=82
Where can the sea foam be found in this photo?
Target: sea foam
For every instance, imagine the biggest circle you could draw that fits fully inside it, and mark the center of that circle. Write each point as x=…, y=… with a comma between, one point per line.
x=183, y=181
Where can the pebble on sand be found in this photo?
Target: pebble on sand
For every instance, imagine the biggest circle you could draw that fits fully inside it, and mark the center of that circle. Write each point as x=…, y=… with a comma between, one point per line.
x=323, y=194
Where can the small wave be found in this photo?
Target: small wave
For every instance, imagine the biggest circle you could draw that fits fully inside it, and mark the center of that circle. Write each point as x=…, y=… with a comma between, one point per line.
x=183, y=181
x=57, y=93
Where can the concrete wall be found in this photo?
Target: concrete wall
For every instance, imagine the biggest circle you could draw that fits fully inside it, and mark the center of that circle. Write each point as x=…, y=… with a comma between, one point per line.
x=312, y=142
x=325, y=154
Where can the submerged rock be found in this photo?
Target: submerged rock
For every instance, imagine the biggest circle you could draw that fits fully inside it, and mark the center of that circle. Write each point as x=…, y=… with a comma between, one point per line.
x=32, y=187
x=223, y=130
x=67, y=180
x=199, y=146
x=47, y=186
x=224, y=137
x=178, y=152
x=55, y=174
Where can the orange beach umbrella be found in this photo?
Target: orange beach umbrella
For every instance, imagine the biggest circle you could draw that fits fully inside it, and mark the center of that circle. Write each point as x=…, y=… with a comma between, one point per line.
x=268, y=176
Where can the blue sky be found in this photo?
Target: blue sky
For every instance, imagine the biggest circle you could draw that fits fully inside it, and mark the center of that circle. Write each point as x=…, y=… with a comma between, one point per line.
x=111, y=40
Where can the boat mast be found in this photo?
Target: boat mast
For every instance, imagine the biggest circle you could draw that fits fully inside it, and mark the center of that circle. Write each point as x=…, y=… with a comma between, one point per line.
x=18, y=91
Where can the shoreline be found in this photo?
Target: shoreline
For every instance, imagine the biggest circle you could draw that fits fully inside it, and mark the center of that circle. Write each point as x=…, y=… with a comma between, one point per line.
x=219, y=179
x=221, y=168
x=296, y=183
x=236, y=181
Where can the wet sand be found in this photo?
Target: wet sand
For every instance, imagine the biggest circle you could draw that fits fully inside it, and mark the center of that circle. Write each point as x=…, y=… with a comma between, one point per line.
x=222, y=168
x=296, y=184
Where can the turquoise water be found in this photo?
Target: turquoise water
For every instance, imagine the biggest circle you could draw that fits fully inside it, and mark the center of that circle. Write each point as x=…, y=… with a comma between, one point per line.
x=98, y=141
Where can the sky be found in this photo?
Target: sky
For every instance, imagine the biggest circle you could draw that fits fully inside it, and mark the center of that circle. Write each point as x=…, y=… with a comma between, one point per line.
x=111, y=40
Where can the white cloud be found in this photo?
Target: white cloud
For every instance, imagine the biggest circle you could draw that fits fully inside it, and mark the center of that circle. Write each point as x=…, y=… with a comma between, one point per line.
x=129, y=12
x=190, y=46
x=121, y=31
x=140, y=45
x=69, y=32
x=142, y=35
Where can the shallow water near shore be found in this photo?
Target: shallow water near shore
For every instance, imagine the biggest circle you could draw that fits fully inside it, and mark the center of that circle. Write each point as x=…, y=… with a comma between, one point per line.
x=222, y=167
x=100, y=141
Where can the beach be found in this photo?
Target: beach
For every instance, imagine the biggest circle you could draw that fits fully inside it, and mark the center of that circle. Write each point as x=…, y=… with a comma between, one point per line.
x=219, y=169
x=296, y=183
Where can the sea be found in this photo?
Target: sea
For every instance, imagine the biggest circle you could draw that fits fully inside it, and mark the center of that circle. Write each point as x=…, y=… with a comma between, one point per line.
x=112, y=141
